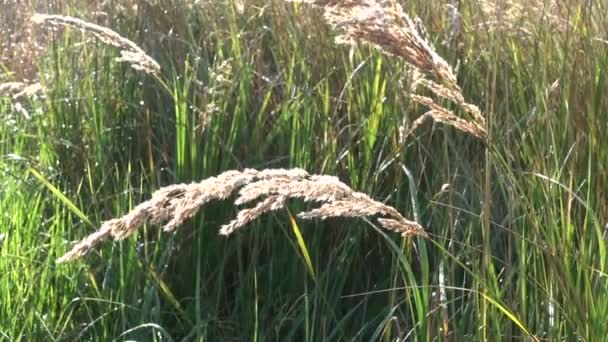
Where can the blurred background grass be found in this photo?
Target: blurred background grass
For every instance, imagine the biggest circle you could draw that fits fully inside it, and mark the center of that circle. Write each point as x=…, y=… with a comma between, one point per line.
x=518, y=238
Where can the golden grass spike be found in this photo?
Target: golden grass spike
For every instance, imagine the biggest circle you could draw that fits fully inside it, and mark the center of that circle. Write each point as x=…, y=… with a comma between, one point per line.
x=270, y=189
x=388, y=28
x=443, y=115
x=130, y=52
x=20, y=89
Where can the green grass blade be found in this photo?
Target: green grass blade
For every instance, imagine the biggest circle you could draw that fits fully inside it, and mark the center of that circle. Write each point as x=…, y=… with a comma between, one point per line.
x=302, y=245
x=61, y=197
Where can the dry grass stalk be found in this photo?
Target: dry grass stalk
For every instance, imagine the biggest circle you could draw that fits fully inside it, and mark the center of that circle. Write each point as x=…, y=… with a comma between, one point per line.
x=454, y=95
x=20, y=47
x=220, y=76
x=523, y=17
x=443, y=115
x=454, y=21
x=20, y=89
x=385, y=25
x=271, y=189
x=388, y=28
x=438, y=113
x=130, y=52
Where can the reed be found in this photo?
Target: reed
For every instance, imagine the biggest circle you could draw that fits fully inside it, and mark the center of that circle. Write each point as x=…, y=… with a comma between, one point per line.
x=271, y=188
x=384, y=25
x=129, y=53
x=20, y=89
x=521, y=251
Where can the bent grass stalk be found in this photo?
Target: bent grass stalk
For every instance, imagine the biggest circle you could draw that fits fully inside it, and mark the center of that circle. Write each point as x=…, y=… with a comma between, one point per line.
x=20, y=89
x=388, y=28
x=130, y=52
x=270, y=188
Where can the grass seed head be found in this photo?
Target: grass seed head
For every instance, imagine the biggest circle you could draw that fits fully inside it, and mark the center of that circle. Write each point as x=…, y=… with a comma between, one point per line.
x=130, y=52
x=270, y=189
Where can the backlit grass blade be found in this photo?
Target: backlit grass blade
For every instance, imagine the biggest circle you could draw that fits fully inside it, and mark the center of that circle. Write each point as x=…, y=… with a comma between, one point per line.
x=61, y=197
x=302, y=245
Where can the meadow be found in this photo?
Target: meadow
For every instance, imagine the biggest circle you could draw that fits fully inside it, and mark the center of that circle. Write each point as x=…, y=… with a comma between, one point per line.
x=322, y=170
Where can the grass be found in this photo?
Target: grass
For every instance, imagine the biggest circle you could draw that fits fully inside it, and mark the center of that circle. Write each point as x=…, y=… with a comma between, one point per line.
x=517, y=221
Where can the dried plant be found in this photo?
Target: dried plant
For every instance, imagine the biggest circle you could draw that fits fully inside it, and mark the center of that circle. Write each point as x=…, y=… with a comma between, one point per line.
x=443, y=115
x=20, y=89
x=454, y=96
x=454, y=21
x=386, y=26
x=522, y=17
x=220, y=81
x=130, y=52
x=270, y=188
x=20, y=48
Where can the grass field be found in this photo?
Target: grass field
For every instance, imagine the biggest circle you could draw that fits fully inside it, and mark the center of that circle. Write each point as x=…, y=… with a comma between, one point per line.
x=514, y=199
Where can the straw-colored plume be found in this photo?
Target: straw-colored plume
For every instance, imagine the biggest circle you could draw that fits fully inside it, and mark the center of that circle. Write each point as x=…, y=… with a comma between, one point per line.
x=269, y=188
x=443, y=115
x=475, y=127
x=20, y=89
x=387, y=27
x=454, y=95
x=522, y=18
x=220, y=76
x=130, y=52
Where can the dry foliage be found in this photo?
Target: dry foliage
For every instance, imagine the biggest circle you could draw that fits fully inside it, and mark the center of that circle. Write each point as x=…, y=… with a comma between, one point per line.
x=270, y=189
x=130, y=52
x=386, y=26
x=522, y=18
x=443, y=115
x=220, y=76
x=20, y=89
x=20, y=49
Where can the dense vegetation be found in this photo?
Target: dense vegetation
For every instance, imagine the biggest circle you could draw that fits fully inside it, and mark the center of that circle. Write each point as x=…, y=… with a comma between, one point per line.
x=517, y=221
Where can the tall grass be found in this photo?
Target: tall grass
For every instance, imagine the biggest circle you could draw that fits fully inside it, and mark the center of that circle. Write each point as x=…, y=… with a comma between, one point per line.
x=516, y=215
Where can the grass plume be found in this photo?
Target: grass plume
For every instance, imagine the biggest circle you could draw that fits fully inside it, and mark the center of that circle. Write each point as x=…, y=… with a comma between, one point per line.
x=20, y=89
x=174, y=204
x=130, y=52
x=387, y=27
x=440, y=114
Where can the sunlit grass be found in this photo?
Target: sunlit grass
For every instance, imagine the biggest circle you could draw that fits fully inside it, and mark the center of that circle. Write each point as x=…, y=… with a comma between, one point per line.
x=517, y=224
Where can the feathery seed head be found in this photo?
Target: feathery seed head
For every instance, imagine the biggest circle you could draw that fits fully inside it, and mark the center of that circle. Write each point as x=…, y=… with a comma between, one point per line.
x=271, y=189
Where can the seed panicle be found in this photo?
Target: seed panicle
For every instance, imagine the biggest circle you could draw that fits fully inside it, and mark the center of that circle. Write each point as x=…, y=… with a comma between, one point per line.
x=20, y=89
x=271, y=188
x=129, y=53
x=384, y=25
